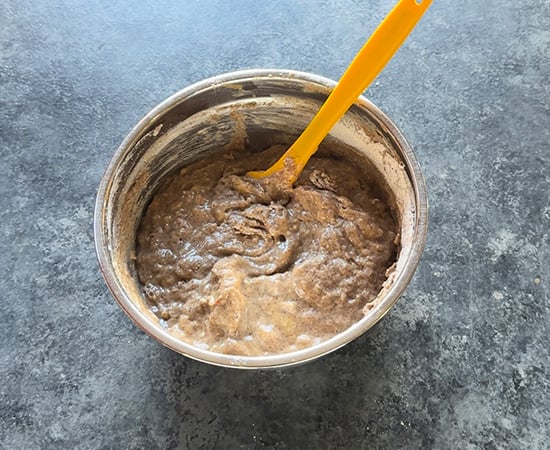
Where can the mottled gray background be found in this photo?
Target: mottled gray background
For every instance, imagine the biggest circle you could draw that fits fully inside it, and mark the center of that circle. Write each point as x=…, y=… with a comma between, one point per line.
x=460, y=363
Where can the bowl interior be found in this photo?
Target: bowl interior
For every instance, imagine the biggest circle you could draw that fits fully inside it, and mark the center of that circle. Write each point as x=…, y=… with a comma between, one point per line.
x=249, y=111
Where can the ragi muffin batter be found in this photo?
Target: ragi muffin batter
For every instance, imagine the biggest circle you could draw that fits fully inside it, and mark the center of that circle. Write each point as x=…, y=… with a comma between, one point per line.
x=244, y=266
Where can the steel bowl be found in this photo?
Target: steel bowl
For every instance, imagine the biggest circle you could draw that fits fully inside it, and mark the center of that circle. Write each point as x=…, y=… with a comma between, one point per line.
x=249, y=109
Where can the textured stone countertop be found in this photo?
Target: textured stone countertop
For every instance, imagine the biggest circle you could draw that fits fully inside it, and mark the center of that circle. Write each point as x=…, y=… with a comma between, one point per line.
x=462, y=360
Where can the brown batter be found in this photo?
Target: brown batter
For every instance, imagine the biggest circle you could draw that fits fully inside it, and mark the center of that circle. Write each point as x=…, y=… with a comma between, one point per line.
x=248, y=267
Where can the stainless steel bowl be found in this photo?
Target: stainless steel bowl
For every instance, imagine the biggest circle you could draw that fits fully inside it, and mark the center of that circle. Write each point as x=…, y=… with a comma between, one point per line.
x=254, y=108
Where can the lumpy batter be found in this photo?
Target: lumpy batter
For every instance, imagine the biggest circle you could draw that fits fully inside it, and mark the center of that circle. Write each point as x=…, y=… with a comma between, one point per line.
x=249, y=267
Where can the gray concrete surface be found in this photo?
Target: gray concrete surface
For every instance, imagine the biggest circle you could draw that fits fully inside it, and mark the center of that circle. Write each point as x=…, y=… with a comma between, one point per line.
x=461, y=362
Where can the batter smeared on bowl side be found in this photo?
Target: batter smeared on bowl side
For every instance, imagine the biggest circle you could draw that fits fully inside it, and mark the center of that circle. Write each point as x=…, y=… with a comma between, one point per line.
x=251, y=267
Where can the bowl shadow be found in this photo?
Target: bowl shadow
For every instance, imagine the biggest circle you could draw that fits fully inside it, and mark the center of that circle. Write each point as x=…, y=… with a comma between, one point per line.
x=337, y=401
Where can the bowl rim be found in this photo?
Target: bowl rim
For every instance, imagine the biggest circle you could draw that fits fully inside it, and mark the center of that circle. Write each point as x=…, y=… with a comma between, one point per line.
x=136, y=314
